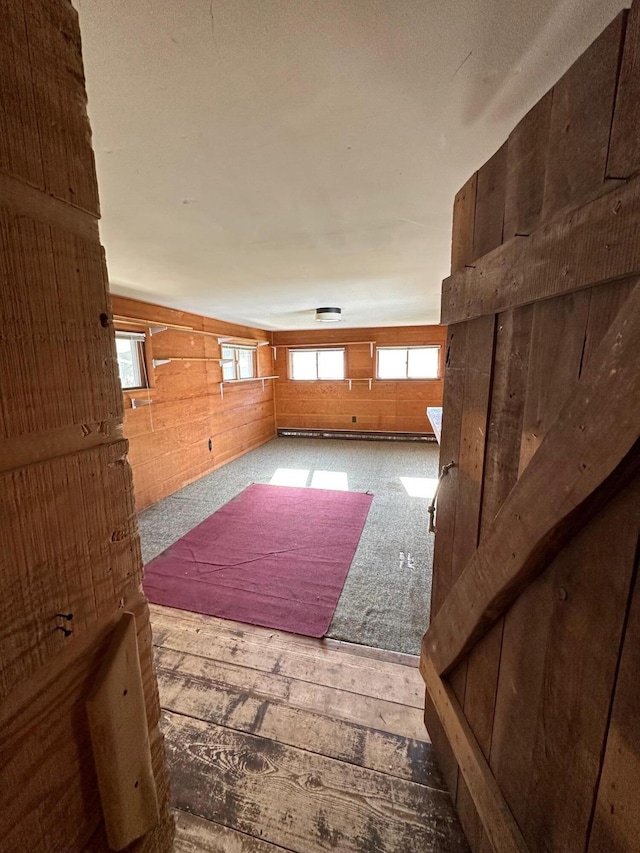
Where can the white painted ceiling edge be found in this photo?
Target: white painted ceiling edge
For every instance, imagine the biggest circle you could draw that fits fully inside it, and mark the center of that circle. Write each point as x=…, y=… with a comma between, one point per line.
x=260, y=158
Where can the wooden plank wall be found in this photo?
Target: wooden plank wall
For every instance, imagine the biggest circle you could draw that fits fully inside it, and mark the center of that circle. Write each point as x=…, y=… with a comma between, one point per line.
x=547, y=691
x=69, y=549
x=388, y=407
x=169, y=438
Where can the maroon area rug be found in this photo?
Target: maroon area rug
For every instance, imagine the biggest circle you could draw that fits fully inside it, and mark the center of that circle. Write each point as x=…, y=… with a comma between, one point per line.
x=275, y=556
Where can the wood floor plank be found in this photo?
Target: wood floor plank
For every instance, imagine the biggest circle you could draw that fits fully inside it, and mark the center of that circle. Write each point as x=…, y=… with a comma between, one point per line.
x=378, y=679
x=395, y=755
x=366, y=711
x=196, y=835
x=240, y=630
x=299, y=800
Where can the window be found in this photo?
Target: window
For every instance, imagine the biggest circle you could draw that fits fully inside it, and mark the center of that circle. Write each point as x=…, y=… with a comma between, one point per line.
x=131, y=361
x=316, y=364
x=408, y=362
x=239, y=362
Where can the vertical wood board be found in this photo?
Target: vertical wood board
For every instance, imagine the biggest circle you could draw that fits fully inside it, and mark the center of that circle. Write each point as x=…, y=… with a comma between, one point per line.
x=551, y=708
x=526, y=169
x=120, y=740
x=490, y=202
x=616, y=821
x=581, y=116
x=464, y=213
x=624, y=145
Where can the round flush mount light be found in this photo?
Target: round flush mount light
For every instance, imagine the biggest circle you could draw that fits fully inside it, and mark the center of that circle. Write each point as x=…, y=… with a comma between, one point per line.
x=328, y=315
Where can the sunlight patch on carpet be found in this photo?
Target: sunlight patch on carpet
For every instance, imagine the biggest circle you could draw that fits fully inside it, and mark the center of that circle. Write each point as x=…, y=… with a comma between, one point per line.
x=290, y=477
x=336, y=480
x=419, y=487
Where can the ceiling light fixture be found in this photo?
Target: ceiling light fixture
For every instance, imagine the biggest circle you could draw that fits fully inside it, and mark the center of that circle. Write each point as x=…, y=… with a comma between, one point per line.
x=328, y=315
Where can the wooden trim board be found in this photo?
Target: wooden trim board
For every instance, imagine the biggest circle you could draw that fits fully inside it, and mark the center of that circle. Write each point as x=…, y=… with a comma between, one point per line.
x=497, y=820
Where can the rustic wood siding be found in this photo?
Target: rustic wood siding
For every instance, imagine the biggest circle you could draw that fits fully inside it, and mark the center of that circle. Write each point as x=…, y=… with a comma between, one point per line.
x=169, y=438
x=389, y=406
x=68, y=535
x=537, y=689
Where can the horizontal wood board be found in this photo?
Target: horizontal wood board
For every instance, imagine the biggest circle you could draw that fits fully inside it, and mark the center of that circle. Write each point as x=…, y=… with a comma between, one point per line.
x=266, y=760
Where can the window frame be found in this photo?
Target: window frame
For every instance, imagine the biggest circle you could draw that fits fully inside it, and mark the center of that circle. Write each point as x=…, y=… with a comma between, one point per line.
x=142, y=369
x=235, y=361
x=317, y=350
x=406, y=349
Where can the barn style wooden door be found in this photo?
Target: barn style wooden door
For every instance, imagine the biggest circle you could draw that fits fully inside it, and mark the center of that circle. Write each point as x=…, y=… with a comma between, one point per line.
x=532, y=660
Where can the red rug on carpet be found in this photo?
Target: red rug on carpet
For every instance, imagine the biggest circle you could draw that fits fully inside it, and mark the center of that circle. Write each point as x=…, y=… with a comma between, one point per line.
x=275, y=556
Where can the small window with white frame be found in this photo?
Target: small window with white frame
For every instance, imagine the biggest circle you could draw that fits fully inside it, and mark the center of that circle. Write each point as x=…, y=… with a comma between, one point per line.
x=238, y=362
x=132, y=365
x=414, y=362
x=313, y=364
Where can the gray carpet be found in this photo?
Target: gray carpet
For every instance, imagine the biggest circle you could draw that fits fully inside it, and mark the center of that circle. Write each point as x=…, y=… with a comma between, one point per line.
x=385, y=600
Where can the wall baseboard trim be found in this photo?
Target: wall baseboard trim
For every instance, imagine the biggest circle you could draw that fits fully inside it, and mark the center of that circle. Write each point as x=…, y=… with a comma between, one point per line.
x=356, y=435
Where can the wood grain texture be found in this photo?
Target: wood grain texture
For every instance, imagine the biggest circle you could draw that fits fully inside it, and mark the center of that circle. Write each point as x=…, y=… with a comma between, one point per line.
x=389, y=406
x=70, y=556
x=490, y=200
x=526, y=168
x=259, y=761
x=196, y=835
x=47, y=772
x=169, y=438
x=464, y=217
x=120, y=740
x=470, y=463
x=558, y=332
x=42, y=332
x=538, y=686
x=624, y=144
x=100, y=560
x=498, y=822
x=500, y=473
x=591, y=244
x=581, y=115
x=344, y=721
x=45, y=129
x=273, y=717
x=446, y=513
x=213, y=626
x=605, y=401
x=560, y=652
x=306, y=695
x=376, y=679
x=156, y=840
x=221, y=775
x=616, y=821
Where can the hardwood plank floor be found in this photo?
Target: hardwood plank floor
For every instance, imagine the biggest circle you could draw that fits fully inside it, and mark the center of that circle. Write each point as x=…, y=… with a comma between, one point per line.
x=284, y=743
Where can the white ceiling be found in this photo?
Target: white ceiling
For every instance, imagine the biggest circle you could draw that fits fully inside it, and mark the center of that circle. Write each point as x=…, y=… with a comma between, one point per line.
x=260, y=158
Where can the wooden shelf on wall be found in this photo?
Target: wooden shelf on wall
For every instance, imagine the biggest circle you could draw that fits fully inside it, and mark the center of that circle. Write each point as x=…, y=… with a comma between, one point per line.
x=369, y=379
x=156, y=328
x=230, y=340
x=158, y=362
x=239, y=381
x=325, y=345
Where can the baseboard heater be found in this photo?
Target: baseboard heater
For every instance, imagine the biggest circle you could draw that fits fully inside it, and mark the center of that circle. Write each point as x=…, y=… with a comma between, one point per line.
x=359, y=435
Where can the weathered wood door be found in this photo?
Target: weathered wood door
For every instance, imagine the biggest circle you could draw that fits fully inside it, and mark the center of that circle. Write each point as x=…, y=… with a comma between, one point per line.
x=532, y=660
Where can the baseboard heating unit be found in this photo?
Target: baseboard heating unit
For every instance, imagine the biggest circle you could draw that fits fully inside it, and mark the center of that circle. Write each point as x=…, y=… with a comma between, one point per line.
x=357, y=435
